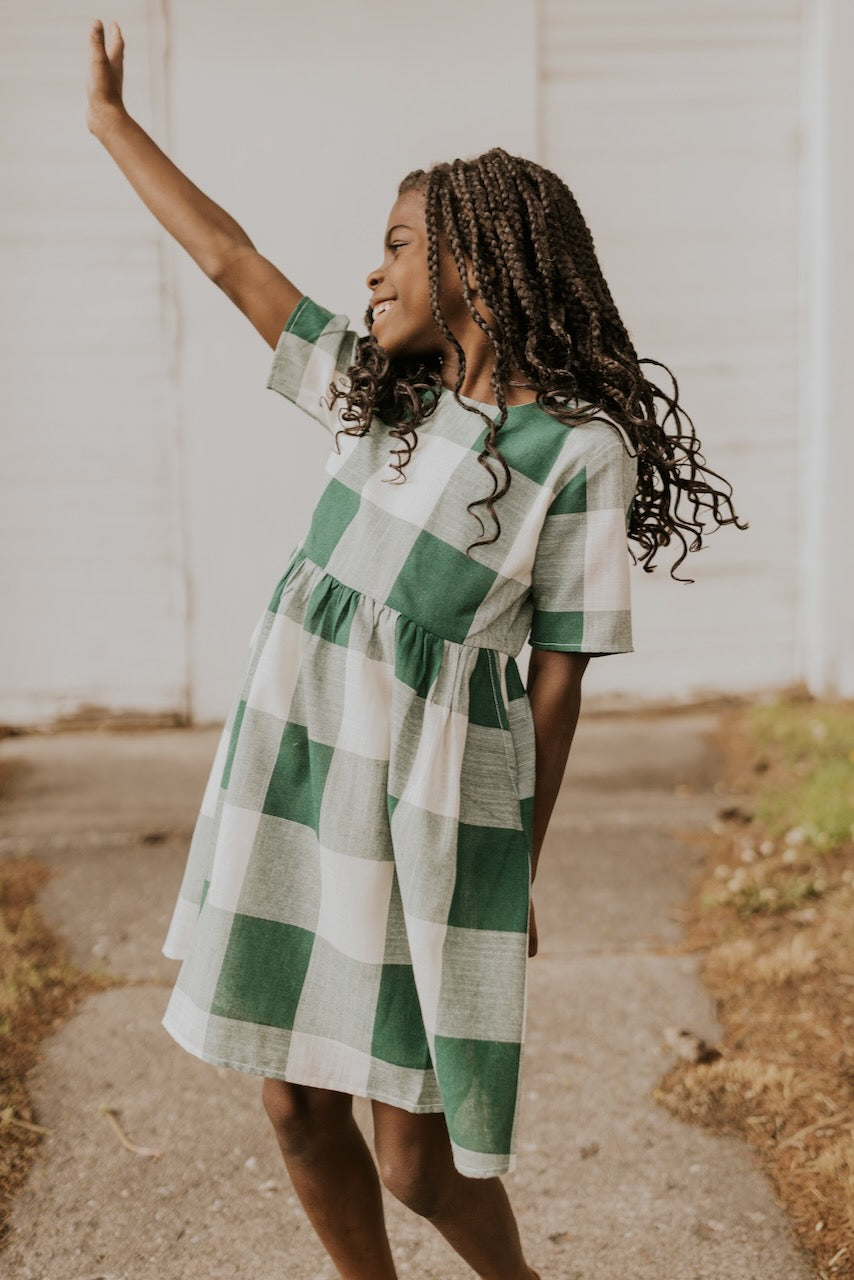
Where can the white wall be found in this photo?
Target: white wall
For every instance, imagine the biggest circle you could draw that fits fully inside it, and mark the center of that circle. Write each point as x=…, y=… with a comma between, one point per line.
x=91, y=561
x=826, y=455
x=677, y=128
x=152, y=488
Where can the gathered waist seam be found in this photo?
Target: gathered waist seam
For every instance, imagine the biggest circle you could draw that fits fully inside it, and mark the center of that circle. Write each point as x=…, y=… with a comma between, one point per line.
x=382, y=605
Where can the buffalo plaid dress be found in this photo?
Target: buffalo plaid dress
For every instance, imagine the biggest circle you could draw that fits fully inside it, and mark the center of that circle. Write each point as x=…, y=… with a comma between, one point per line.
x=354, y=910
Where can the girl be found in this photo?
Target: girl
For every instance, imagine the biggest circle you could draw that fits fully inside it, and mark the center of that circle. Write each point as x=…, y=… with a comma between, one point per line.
x=355, y=916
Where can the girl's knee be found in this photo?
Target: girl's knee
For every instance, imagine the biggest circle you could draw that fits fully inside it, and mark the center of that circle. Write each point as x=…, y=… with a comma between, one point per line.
x=305, y=1119
x=414, y=1179
x=414, y=1158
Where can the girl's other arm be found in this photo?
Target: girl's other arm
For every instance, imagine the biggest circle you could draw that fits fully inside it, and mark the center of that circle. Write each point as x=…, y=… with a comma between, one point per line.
x=217, y=243
x=554, y=692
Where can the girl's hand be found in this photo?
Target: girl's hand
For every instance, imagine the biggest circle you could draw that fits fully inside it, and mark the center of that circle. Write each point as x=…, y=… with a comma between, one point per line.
x=533, y=940
x=106, y=70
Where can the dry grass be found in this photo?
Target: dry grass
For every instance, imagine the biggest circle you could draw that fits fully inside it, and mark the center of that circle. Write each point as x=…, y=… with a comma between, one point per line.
x=39, y=989
x=775, y=915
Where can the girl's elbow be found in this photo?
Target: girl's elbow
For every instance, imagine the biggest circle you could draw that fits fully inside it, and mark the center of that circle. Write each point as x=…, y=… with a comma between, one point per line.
x=565, y=669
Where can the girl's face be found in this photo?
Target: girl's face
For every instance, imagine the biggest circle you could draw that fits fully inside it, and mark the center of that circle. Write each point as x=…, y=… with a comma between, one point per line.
x=402, y=320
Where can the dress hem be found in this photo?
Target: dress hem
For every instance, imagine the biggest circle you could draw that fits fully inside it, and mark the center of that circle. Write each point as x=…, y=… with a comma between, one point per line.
x=492, y=1170
x=297, y=1078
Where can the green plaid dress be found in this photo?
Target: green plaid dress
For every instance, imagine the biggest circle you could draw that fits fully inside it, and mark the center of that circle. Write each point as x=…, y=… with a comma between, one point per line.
x=354, y=910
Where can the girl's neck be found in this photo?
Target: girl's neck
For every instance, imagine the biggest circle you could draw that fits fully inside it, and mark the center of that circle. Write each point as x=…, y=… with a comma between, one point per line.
x=477, y=383
x=479, y=368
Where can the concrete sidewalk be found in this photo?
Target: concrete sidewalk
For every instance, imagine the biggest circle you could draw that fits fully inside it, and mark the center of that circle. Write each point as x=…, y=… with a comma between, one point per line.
x=608, y=1185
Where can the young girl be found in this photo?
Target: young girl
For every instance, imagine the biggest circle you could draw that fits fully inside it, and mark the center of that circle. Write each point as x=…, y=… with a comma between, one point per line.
x=355, y=916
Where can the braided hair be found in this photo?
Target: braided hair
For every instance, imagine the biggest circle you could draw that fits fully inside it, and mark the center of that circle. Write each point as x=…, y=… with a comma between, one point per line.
x=552, y=317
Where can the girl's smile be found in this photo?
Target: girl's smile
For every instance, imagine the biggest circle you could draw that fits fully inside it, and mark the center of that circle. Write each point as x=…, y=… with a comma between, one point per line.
x=401, y=315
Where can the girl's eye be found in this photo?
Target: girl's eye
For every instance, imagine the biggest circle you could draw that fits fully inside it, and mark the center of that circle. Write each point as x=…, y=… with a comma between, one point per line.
x=397, y=244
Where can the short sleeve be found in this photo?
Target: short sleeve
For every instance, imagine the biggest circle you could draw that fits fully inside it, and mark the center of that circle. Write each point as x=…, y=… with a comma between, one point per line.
x=580, y=578
x=315, y=347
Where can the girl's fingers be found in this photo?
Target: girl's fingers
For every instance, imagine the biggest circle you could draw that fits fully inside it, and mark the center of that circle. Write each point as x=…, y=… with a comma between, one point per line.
x=117, y=40
x=116, y=53
x=106, y=64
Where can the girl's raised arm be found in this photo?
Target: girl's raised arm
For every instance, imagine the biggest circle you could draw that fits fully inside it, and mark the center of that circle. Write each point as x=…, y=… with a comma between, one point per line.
x=211, y=237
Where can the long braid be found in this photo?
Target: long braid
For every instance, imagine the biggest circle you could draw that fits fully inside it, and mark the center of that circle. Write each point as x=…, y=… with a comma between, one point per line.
x=450, y=220
x=490, y=280
x=552, y=317
x=505, y=209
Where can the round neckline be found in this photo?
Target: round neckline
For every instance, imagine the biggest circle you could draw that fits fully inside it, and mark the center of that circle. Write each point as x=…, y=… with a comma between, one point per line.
x=482, y=404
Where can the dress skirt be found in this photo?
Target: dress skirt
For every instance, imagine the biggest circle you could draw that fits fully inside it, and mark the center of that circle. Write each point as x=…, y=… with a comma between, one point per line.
x=354, y=911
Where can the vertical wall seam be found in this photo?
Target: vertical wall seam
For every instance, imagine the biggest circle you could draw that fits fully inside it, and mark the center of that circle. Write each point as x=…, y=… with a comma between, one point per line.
x=812, y=440
x=172, y=333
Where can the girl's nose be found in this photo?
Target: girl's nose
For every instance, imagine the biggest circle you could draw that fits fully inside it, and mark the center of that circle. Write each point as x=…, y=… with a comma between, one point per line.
x=374, y=277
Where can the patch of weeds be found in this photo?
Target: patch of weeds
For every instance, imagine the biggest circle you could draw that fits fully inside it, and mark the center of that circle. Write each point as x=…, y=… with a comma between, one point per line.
x=774, y=914
x=39, y=989
x=820, y=805
x=809, y=787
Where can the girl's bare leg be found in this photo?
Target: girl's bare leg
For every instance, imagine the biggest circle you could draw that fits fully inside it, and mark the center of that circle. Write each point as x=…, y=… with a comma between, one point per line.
x=334, y=1175
x=473, y=1214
